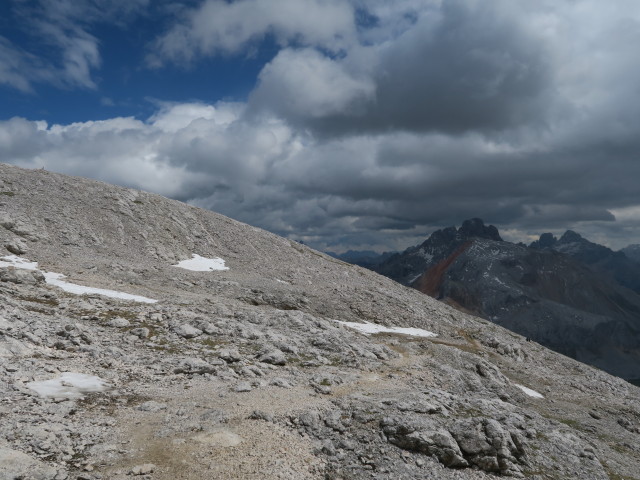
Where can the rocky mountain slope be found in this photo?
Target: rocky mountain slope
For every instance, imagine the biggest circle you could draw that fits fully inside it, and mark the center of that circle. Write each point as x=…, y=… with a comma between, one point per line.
x=407, y=266
x=561, y=293
x=268, y=368
x=632, y=252
x=364, y=258
x=616, y=266
x=547, y=297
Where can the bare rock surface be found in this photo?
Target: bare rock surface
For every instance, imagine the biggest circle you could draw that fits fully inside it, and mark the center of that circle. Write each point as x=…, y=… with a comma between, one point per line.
x=245, y=373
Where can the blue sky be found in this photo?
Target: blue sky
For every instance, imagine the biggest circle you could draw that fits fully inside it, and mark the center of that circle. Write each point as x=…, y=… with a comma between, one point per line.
x=343, y=123
x=124, y=84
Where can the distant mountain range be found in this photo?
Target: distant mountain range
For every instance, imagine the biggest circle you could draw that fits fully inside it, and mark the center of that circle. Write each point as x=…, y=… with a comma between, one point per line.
x=365, y=258
x=620, y=266
x=569, y=294
x=632, y=251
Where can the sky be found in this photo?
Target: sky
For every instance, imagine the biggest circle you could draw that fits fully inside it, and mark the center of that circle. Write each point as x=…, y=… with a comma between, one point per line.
x=346, y=124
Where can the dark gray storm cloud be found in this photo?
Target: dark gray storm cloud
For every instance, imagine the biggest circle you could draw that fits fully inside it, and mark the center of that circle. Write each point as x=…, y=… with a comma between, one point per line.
x=466, y=66
x=370, y=136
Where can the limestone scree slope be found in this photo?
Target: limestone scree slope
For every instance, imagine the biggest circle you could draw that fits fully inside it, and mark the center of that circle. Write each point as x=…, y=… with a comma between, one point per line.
x=249, y=366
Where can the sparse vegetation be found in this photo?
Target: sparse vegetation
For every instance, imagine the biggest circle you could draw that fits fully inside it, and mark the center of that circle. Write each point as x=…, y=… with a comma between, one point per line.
x=52, y=302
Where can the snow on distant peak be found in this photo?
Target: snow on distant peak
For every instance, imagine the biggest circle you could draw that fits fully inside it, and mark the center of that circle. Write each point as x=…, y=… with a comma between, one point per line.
x=528, y=391
x=69, y=385
x=55, y=279
x=202, y=264
x=371, y=328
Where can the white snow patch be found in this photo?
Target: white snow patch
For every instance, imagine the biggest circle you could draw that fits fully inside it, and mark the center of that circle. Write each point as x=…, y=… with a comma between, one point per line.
x=15, y=261
x=202, y=264
x=371, y=328
x=69, y=385
x=427, y=256
x=528, y=391
x=55, y=279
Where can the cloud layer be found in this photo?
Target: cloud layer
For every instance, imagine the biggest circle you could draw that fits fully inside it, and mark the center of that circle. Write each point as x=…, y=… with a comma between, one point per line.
x=375, y=123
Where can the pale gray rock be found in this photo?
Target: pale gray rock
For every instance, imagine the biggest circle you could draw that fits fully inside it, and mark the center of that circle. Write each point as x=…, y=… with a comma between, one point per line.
x=144, y=469
x=273, y=357
x=187, y=331
x=16, y=246
x=15, y=275
x=281, y=382
x=427, y=439
x=19, y=227
x=119, y=322
x=11, y=347
x=195, y=365
x=17, y=465
x=230, y=355
x=244, y=387
x=140, y=332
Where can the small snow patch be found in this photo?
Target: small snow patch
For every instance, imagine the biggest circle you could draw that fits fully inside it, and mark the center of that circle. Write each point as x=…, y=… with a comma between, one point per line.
x=371, y=328
x=528, y=391
x=69, y=385
x=15, y=261
x=202, y=264
x=55, y=279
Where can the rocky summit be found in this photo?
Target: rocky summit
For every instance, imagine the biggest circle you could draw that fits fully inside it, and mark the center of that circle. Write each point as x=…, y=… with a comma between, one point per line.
x=144, y=338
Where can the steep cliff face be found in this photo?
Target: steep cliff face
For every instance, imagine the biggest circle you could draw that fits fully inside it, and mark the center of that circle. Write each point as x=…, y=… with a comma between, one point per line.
x=140, y=336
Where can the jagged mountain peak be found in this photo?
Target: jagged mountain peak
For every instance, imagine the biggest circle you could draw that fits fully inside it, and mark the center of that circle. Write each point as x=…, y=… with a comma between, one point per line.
x=407, y=266
x=619, y=267
x=471, y=228
x=475, y=227
x=571, y=237
x=546, y=240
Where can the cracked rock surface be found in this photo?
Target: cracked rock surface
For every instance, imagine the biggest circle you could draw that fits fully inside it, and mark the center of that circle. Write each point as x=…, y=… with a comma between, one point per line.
x=246, y=374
